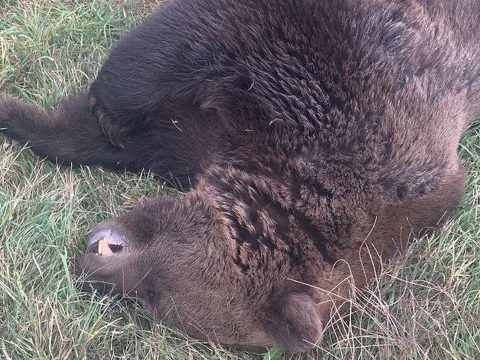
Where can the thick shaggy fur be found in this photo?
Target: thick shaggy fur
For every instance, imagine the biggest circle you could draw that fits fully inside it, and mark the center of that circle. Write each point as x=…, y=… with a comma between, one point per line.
x=316, y=136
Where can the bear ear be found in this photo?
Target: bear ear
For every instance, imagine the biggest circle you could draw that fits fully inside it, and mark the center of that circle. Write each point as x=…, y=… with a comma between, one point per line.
x=293, y=322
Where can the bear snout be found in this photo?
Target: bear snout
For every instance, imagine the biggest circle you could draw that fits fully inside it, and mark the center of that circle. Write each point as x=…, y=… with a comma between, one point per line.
x=107, y=240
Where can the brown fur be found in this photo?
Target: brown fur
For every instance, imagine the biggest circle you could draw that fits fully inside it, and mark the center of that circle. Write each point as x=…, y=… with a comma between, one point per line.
x=318, y=136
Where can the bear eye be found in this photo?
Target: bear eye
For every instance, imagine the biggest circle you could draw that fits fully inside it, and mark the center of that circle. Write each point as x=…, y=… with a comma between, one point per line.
x=151, y=295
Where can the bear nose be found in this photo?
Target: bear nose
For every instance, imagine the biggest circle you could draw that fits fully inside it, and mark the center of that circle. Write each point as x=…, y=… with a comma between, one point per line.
x=107, y=240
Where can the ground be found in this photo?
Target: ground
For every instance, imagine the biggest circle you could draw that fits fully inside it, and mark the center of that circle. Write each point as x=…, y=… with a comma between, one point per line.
x=424, y=306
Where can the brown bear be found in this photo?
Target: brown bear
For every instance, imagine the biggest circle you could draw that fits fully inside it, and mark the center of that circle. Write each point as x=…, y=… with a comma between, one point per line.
x=315, y=136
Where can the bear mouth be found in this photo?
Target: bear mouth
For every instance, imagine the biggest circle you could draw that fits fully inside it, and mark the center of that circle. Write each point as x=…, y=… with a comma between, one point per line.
x=107, y=242
x=104, y=248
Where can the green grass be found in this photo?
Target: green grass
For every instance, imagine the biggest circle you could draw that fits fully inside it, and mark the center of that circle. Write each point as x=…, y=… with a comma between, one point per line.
x=425, y=306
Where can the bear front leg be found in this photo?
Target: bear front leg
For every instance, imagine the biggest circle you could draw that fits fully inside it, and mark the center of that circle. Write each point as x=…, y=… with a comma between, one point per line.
x=150, y=67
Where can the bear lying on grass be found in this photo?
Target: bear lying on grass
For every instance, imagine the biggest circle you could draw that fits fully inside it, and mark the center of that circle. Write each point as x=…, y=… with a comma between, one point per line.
x=316, y=138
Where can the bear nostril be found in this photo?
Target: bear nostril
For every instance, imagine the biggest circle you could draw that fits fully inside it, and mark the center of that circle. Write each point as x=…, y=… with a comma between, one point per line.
x=107, y=241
